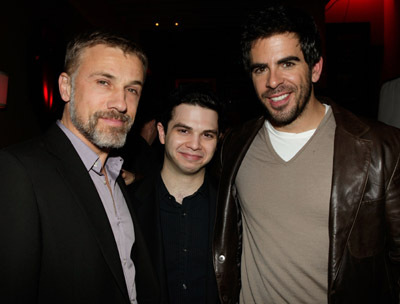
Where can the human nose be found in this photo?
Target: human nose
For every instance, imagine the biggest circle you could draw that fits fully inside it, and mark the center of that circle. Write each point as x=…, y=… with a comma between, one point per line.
x=118, y=101
x=274, y=78
x=194, y=143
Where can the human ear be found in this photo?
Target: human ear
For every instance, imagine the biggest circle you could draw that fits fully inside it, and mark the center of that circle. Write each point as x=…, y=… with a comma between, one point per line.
x=317, y=70
x=161, y=133
x=64, y=85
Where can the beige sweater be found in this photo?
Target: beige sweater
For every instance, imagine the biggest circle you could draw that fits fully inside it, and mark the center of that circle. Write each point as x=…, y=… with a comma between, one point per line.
x=285, y=209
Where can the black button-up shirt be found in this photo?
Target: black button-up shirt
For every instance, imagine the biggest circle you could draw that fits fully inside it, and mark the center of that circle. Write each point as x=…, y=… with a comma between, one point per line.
x=185, y=229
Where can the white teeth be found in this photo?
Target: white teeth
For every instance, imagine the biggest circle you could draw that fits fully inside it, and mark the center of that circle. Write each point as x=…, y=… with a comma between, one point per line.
x=279, y=98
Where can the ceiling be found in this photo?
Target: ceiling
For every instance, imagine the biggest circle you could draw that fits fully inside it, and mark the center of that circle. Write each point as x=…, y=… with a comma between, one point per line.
x=143, y=14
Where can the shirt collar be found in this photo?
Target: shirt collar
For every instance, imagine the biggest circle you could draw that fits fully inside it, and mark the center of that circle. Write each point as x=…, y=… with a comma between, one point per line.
x=203, y=190
x=89, y=158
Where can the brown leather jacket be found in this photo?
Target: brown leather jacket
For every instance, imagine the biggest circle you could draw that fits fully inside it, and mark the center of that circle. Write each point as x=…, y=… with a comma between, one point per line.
x=364, y=221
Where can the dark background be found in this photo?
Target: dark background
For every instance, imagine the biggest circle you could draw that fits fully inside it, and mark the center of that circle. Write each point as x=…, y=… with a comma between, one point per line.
x=360, y=50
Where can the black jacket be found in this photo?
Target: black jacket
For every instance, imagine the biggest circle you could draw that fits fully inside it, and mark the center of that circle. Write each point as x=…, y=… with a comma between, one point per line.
x=57, y=245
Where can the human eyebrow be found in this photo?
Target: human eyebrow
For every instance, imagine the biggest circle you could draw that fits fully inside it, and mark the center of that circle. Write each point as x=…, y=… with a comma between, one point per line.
x=181, y=125
x=135, y=82
x=112, y=77
x=289, y=58
x=103, y=74
x=213, y=131
x=257, y=66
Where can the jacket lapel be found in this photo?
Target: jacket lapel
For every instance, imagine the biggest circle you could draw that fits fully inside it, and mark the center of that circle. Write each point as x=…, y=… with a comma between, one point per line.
x=211, y=279
x=147, y=209
x=147, y=285
x=81, y=186
x=351, y=161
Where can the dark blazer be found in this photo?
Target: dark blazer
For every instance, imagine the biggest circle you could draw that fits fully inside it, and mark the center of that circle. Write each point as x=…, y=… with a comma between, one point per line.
x=146, y=205
x=57, y=245
x=364, y=216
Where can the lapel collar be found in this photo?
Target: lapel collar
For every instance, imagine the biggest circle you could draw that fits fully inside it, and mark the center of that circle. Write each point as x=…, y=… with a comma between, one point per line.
x=211, y=282
x=81, y=186
x=147, y=208
x=351, y=161
x=238, y=142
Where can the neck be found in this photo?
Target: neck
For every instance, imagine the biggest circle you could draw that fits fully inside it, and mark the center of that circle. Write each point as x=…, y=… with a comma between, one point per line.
x=102, y=153
x=309, y=119
x=182, y=185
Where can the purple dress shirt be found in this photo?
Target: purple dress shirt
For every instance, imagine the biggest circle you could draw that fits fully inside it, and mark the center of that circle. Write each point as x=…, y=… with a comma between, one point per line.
x=114, y=204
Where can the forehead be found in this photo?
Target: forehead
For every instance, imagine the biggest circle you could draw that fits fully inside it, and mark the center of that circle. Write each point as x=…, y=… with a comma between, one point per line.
x=191, y=115
x=276, y=46
x=104, y=56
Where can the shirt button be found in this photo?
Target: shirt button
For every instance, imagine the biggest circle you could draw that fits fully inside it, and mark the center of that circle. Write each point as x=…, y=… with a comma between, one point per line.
x=184, y=286
x=185, y=250
x=221, y=258
x=184, y=214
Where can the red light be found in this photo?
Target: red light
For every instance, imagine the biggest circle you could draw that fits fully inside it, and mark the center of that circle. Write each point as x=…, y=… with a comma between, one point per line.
x=51, y=99
x=45, y=93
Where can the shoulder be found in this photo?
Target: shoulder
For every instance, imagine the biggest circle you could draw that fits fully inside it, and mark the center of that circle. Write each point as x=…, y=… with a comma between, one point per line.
x=28, y=152
x=248, y=127
x=364, y=128
x=19, y=167
x=239, y=138
x=383, y=132
x=39, y=148
x=383, y=139
x=143, y=190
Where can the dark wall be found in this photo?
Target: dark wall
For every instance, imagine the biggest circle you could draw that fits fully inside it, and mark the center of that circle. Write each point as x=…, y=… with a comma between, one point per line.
x=17, y=120
x=34, y=34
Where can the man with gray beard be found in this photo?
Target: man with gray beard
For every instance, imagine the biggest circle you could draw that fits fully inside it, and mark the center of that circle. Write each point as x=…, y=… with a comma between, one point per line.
x=68, y=232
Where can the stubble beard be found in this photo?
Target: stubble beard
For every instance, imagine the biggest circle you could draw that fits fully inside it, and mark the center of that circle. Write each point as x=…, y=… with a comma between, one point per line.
x=282, y=118
x=103, y=138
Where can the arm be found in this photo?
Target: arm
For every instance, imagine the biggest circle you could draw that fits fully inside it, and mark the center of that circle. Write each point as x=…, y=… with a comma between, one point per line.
x=19, y=233
x=393, y=220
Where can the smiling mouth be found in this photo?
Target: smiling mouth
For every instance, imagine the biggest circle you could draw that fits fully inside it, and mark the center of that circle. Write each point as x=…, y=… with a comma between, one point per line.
x=113, y=121
x=279, y=98
x=192, y=157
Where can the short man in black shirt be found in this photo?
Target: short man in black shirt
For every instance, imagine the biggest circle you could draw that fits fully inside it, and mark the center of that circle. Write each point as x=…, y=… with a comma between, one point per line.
x=176, y=208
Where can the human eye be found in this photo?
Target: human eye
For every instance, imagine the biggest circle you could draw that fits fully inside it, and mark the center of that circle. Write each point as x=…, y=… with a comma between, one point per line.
x=288, y=64
x=182, y=131
x=209, y=135
x=133, y=91
x=103, y=82
x=259, y=69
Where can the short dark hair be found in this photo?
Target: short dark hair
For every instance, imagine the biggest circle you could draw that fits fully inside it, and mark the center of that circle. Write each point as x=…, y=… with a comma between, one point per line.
x=279, y=19
x=196, y=95
x=93, y=38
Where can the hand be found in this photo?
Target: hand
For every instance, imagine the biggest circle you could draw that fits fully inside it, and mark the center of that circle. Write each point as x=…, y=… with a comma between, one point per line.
x=149, y=131
x=128, y=177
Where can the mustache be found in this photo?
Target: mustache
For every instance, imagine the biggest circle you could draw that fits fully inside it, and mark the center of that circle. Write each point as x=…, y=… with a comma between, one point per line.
x=113, y=115
x=279, y=89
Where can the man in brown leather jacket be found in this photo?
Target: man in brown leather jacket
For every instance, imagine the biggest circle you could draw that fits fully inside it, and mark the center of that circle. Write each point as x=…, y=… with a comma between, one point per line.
x=309, y=200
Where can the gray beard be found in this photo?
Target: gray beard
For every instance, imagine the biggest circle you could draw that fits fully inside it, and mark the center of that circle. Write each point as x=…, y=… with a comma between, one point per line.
x=112, y=137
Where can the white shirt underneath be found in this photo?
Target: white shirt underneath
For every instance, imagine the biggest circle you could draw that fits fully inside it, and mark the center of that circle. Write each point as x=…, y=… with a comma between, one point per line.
x=287, y=144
